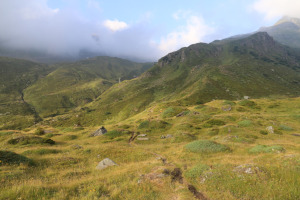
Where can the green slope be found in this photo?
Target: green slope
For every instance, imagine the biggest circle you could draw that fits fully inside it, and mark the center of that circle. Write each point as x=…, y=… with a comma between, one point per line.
x=75, y=84
x=286, y=31
x=15, y=76
x=256, y=66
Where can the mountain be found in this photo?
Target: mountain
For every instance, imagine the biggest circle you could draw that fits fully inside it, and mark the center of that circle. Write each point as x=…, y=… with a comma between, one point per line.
x=256, y=66
x=15, y=76
x=286, y=31
x=74, y=84
x=38, y=90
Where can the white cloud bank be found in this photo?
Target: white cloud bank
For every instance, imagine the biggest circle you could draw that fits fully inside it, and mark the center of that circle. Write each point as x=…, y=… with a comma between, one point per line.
x=194, y=31
x=115, y=25
x=32, y=24
x=277, y=8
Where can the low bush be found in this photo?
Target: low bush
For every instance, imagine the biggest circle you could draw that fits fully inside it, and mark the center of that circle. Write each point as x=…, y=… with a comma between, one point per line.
x=8, y=157
x=214, y=122
x=263, y=132
x=285, y=128
x=39, y=131
x=206, y=146
x=196, y=171
x=113, y=134
x=267, y=149
x=245, y=123
x=41, y=151
x=24, y=140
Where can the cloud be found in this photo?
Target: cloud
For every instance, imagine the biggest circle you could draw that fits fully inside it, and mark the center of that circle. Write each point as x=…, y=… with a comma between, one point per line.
x=194, y=31
x=277, y=8
x=115, y=25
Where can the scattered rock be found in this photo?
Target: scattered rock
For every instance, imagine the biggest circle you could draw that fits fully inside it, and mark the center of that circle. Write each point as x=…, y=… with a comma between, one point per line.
x=166, y=172
x=143, y=139
x=198, y=195
x=176, y=175
x=270, y=129
x=105, y=163
x=295, y=134
x=76, y=146
x=206, y=175
x=247, y=169
x=142, y=135
x=226, y=108
x=180, y=114
x=166, y=136
x=246, y=97
x=98, y=132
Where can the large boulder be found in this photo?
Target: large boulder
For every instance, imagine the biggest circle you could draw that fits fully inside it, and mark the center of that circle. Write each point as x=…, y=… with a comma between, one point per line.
x=98, y=132
x=105, y=163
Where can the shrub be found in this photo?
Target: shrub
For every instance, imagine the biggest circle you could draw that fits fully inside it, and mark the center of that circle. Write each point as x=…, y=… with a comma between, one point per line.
x=39, y=131
x=227, y=102
x=23, y=140
x=113, y=134
x=71, y=137
x=214, y=122
x=206, y=146
x=213, y=132
x=285, y=128
x=267, y=149
x=245, y=123
x=4, y=133
x=169, y=112
x=144, y=124
x=247, y=103
x=41, y=151
x=263, y=132
x=8, y=157
x=196, y=171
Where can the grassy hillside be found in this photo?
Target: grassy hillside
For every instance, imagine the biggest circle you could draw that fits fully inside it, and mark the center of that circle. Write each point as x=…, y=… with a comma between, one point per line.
x=15, y=76
x=207, y=150
x=75, y=84
x=256, y=66
x=286, y=31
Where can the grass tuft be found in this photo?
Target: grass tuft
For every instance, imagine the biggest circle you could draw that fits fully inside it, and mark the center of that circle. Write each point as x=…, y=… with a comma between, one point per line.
x=206, y=146
x=267, y=149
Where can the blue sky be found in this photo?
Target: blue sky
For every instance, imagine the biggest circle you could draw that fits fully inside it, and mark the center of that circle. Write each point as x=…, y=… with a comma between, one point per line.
x=131, y=28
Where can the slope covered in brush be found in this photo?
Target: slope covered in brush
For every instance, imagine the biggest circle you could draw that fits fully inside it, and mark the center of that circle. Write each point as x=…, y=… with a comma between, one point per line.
x=256, y=66
x=74, y=84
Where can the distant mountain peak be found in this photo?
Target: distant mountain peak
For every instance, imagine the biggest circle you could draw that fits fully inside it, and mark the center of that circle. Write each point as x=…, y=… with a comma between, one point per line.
x=285, y=19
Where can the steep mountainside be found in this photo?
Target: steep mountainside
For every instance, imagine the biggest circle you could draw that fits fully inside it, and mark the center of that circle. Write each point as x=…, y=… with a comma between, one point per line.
x=256, y=66
x=74, y=84
x=15, y=76
x=286, y=31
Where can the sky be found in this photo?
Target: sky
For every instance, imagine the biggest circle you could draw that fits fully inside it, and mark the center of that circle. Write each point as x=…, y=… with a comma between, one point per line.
x=142, y=30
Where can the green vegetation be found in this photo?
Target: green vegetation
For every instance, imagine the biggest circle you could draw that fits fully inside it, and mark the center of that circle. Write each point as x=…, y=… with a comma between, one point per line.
x=24, y=140
x=267, y=149
x=245, y=123
x=9, y=158
x=206, y=146
x=196, y=171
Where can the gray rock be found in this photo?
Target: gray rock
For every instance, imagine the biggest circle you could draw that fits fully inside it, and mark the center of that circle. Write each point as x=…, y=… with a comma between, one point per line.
x=169, y=136
x=76, y=146
x=142, y=138
x=180, y=114
x=270, y=129
x=98, y=132
x=247, y=169
x=105, y=163
x=142, y=135
x=226, y=108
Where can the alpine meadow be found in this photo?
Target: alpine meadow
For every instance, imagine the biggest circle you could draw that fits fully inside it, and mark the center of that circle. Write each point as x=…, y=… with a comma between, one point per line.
x=117, y=110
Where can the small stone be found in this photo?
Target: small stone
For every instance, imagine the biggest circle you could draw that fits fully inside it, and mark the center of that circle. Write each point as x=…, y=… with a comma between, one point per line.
x=98, y=132
x=143, y=139
x=76, y=146
x=105, y=163
x=142, y=135
x=270, y=129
